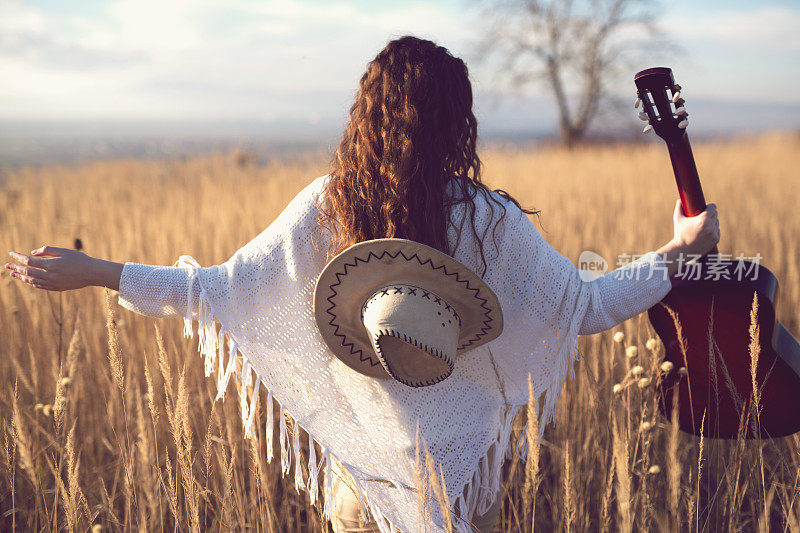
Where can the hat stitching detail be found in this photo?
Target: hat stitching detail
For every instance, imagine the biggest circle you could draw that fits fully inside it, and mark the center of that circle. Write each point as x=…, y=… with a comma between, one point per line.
x=412, y=290
x=433, y=351
x=357, y=351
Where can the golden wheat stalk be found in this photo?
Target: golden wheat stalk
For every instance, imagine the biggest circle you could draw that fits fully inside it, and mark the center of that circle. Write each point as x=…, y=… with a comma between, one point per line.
x=696, y=495
x=569, y=491
x=114, y=351
x=23, y=441
x=532, y=461
x=755, y=353
x=77, y=500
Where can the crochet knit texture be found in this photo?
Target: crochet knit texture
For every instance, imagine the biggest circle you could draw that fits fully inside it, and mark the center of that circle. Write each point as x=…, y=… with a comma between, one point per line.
x=262, y=300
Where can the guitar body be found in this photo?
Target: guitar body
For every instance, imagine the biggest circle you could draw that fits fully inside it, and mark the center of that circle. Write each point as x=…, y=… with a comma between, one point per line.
x=714, y=345
x=708, y=321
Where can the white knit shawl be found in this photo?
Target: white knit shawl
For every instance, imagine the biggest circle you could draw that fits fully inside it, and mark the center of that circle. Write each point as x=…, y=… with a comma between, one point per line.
x=262, y=299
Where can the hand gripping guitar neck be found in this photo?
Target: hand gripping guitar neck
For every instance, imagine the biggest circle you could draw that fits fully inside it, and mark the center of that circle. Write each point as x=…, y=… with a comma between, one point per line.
x=720, y=315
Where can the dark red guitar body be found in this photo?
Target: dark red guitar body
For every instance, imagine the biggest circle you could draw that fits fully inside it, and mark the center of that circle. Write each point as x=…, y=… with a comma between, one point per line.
x=719, y=380
x=712, y=302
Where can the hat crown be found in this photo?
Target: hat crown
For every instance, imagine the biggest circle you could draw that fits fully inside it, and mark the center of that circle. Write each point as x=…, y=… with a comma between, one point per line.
x=387, y=338
x=413, y=331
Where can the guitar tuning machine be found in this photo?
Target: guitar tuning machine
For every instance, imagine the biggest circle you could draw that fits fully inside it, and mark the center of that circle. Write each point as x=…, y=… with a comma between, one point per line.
x=676, y=88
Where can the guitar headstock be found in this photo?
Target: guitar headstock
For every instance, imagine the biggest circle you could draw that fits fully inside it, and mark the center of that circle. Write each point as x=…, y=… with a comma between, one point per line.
x=661, y=104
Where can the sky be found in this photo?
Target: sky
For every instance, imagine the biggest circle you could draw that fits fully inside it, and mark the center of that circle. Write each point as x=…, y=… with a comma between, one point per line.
x=295, y=64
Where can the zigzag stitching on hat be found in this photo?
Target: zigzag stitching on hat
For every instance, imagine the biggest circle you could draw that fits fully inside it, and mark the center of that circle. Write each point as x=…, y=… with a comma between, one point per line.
x=432, y=351
x=363, y=357
x=357, y=351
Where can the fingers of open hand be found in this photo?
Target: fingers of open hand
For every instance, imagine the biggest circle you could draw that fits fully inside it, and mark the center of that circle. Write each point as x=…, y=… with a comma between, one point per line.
x=27, y=271
x=27, y=260
x=31, y=276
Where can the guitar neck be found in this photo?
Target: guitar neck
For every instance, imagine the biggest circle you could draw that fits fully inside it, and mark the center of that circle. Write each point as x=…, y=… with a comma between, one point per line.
x=689, y=189
x=685, y=170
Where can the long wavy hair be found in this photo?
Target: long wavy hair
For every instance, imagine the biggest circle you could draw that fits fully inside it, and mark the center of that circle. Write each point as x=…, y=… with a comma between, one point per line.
x=411, y=131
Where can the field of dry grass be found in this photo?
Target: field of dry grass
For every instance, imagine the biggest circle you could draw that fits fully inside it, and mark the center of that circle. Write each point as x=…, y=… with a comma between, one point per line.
x=108, y=420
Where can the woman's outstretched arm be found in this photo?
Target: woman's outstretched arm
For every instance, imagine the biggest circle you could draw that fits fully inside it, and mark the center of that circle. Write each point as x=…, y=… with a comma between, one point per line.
x=157, y=291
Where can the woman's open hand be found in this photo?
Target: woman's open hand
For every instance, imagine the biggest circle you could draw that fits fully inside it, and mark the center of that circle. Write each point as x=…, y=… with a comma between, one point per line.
x=53, y=269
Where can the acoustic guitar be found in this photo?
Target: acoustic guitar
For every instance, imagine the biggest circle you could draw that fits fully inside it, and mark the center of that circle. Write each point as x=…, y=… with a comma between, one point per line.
x=718, y=321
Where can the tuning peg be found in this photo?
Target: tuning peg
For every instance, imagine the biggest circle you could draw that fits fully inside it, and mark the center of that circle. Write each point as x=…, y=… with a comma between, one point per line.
x=683, y=123
x=676, y=88
x=643, y=116
x=637, y=103
x=679, y=102
x=680, y=111
x=648, y=128
x=676, y=96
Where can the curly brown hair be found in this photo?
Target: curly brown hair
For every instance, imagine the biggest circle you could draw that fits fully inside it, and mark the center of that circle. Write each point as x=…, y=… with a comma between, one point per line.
x=411, y=130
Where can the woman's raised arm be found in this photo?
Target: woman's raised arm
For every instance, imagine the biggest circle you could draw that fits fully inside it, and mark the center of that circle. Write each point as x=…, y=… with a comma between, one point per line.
x=632, y=289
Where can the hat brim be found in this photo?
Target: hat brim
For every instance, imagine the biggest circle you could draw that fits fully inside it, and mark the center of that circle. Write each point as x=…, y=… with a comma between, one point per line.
x=357, y=272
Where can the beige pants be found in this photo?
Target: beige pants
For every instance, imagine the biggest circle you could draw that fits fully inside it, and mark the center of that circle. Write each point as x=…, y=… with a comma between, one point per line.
x=349, y=519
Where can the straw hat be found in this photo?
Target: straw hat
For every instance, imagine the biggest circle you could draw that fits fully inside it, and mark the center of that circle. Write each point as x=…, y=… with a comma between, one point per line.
x=397, y=308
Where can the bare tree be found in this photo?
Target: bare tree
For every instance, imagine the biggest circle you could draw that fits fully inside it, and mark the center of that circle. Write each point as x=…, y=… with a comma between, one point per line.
x=575, y=49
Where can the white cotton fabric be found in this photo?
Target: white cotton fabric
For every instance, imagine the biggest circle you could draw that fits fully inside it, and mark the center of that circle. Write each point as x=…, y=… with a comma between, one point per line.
x=262, y=297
